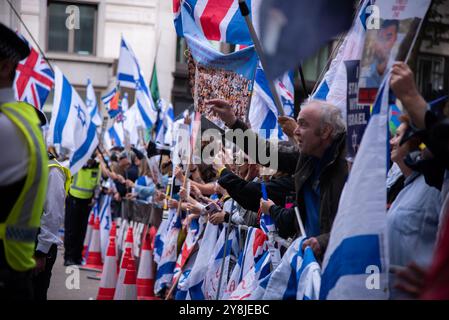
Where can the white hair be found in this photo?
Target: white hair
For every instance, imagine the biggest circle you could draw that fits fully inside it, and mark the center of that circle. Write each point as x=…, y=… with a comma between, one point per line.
x=330, y=115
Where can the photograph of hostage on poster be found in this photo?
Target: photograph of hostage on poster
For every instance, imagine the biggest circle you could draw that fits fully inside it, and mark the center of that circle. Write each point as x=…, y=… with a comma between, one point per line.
x=389, y=41
x=214, y=75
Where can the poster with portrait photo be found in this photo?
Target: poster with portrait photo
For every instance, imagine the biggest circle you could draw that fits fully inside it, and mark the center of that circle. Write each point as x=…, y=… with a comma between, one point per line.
x=399, y=24
x=214, y=75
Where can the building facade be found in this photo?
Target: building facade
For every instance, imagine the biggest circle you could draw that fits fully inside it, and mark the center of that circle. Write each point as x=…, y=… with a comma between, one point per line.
x=91, y=48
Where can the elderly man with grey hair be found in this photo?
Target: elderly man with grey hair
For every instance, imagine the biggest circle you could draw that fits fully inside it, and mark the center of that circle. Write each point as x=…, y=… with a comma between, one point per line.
x=319, y=170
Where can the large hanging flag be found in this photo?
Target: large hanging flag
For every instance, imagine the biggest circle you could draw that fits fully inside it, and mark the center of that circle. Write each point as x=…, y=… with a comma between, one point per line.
x=215, y=75
x=71, y=126
x=219, y=20
x=263, y=113
x=34, y=80
x=282, y=23
x=92, y=105
x=356, y=262
x=129, y=75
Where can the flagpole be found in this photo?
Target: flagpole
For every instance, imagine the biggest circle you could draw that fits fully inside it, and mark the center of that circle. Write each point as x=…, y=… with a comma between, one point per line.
x=245, y=13
x=34, y=40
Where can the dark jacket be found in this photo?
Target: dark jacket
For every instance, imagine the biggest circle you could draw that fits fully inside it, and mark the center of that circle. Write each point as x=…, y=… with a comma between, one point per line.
x=331, y=179
x=248, y=193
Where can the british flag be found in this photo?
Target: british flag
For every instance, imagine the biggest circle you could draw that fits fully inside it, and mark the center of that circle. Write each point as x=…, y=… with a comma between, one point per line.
x=34, y=80
x=220, y=20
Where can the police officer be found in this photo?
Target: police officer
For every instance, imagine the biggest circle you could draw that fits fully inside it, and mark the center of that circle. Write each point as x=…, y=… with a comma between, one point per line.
x=23, y=175
x=78, y=206
x=59, y=179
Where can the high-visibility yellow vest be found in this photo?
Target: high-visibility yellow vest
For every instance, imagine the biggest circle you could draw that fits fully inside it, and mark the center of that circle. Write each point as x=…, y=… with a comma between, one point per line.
x=84, y=183
x=68, y=176
x=19, y=230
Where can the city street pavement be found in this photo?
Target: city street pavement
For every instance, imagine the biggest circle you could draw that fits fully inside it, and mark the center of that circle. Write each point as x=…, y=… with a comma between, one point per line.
x=64, y=284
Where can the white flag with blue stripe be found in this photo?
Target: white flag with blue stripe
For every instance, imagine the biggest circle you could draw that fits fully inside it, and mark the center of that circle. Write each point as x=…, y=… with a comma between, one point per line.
x=333, y=87
x=92, y=105
x=355, y=265
x=71, y=126
x=105, y=223
x=161, y=235
x=130, y=75
x=194, y=282
x=263, y=113
x=164, y=126
x=167, y=263
x=298, y=276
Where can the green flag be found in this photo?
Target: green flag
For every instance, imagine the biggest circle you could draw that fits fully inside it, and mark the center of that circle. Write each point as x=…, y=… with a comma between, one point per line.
x=154, y=86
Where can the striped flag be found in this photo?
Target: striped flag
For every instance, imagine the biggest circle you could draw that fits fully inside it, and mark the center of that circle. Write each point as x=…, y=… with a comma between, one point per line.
x=219, y=20
x=297, y=277
x=71, y=126
x=92, y=105
x=105, y=223
x=263, y=113
x=167, y=263
x=161, y=234
x=214, y=270
x=164, y=125
x=355, y=265
x=195, y=282
x=129, y=75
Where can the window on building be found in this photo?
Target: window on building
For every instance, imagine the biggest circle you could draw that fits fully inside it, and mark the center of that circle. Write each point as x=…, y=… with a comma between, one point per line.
x=181, y=47
x=430, y=76
x=63, y=34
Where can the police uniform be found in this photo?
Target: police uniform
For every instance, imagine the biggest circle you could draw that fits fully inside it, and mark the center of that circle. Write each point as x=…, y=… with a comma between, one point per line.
x=23, y=178
x=78, y=206
x=48, y=239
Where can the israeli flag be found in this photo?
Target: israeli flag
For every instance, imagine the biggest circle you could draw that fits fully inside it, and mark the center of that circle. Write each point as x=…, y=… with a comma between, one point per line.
x=167, y=263
x=356, y=262
x=105, y=223
x=263, y=113
x=195, y=281
x=125, y=102
x=130, y=75
x=161, y=234
x=71, y=126
x=298, y=276
x=164, y=126
x=333, y=87
x=92, y=105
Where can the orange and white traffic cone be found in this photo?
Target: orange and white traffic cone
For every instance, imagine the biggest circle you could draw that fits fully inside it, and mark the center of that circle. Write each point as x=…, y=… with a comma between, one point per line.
x=129, y=242
x=109, y=276
x=119, y=288
x=94, y=254
x=129, y=284
x=88, y=236
x=145, y=276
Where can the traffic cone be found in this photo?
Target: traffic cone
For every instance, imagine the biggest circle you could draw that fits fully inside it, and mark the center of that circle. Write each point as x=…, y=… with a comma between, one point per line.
x=145, y=276
x=119, y=288
x=129, y=284
x=129, y=242
x=109, y=276
x=94, y=254
x=88, y=236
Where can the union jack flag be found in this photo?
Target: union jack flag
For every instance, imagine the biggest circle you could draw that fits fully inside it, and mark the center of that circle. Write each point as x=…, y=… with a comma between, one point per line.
x=220, y=20
x=34, y=80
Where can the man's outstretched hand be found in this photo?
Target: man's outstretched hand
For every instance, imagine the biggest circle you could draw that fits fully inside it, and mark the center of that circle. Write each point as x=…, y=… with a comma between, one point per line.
x=223, y=110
